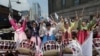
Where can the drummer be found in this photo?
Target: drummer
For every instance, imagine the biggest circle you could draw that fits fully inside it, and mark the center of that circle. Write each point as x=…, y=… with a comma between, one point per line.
x=42, y=27
x=67, y=31
x=19, y=28
x=84, y=28
x=33, y=26
x=48, y=33
x=97, y=30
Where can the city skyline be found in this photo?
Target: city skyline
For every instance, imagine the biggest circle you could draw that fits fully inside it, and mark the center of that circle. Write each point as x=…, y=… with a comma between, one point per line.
x=43, y=4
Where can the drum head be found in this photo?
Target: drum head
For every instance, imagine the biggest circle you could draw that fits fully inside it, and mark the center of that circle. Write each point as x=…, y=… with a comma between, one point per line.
x=24, y=51
x=48, y=53
x=67, y=50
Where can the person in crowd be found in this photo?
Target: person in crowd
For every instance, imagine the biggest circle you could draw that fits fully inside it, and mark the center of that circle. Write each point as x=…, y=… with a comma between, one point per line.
x=98, y=27
x=34, y=32
x=19, y=28
x=97, y=30
x=59, y=35
x=33, y=29
x=42, y=27
x=28, y=30
x=84, y=28
x=68, y=28
x=61, y=23
x=48, y=33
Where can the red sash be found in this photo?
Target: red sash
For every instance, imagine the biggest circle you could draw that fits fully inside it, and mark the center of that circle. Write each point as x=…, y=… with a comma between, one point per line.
x=66, y=36
x=82, y=36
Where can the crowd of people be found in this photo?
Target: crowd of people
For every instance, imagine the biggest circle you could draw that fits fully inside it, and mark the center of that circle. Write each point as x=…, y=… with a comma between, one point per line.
x=62, y=30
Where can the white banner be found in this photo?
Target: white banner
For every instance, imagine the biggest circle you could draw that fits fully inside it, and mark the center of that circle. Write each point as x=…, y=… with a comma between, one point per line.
x=87, y=46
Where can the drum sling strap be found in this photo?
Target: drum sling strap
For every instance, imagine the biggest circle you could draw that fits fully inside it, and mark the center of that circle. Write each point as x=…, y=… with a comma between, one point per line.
x=48, y=37
x=36, y=39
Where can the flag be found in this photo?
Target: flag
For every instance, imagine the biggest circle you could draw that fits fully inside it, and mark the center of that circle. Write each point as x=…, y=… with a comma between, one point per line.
x=87, y=45
x=56, y=16
x=10, y=8
x=48, y=19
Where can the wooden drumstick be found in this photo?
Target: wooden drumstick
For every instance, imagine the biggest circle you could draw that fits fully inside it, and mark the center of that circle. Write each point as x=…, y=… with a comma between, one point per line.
x=76, y=13
x=69, y=20
x=51, y=17
x=82, y=12
x=97, y=12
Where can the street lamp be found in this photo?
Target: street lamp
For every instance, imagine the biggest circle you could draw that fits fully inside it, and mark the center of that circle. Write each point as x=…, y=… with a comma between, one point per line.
x=18, y=2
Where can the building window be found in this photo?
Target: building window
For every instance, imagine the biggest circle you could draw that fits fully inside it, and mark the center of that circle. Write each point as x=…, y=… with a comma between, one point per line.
x=76, y=2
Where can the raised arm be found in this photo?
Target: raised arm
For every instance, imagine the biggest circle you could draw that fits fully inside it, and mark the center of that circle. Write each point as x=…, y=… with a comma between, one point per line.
x=41, y=32
x=91, y=24
x=12, y=22
x=24, y=22
x=74, y=25
x=79, y=24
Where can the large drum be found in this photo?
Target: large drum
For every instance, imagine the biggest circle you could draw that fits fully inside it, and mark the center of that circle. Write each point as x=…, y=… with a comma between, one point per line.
x=26, y=47
x=50, y=48
x=65, y=48
x=7, y=44
x=27, y=44
x=71, y=47
x=96, y=44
